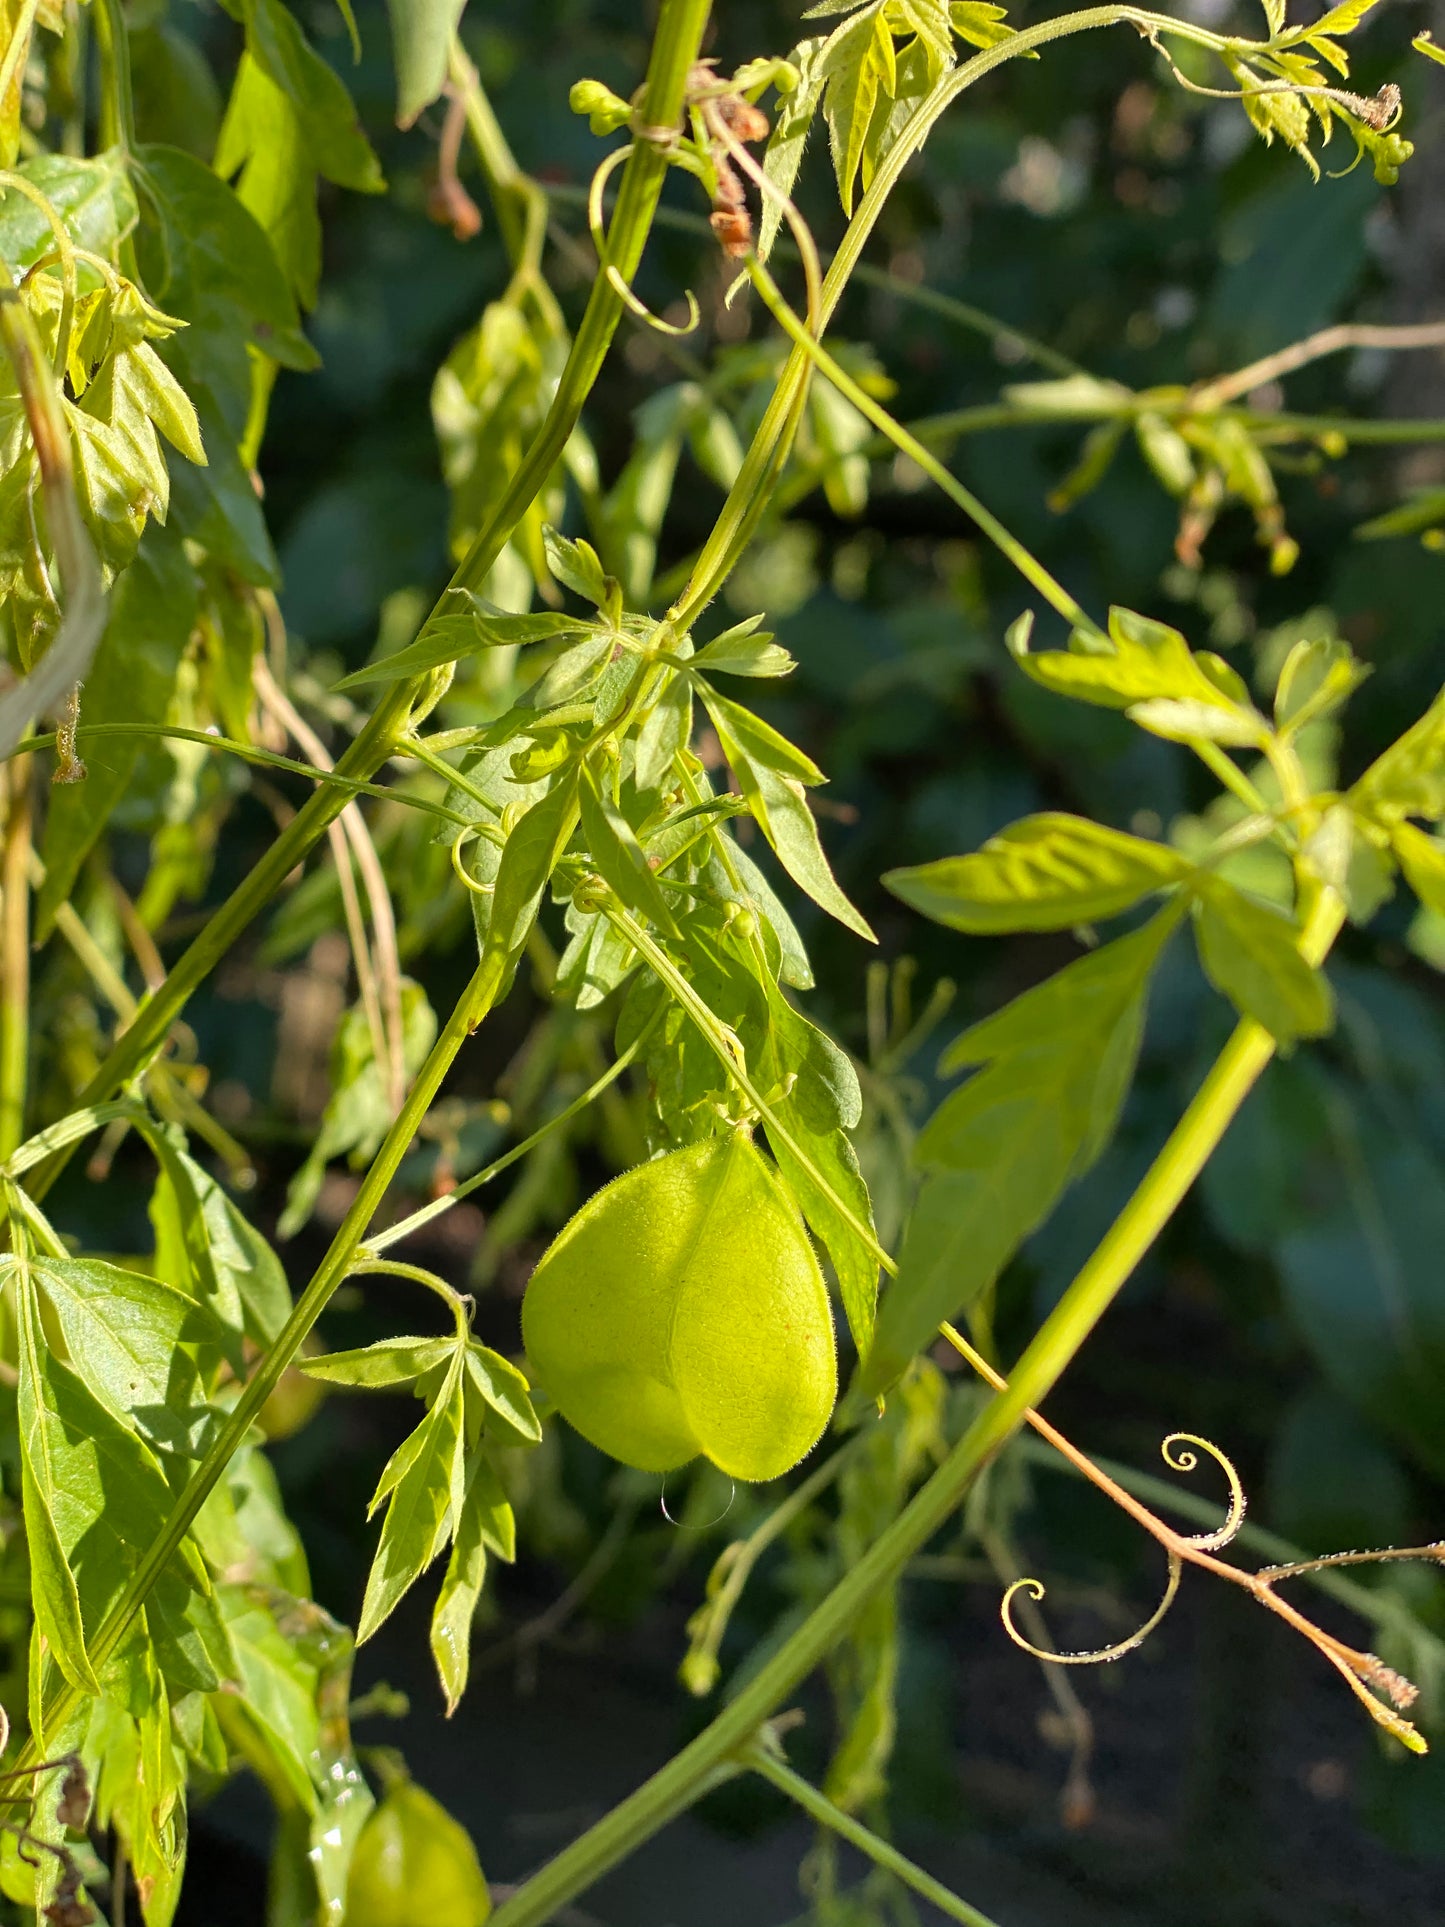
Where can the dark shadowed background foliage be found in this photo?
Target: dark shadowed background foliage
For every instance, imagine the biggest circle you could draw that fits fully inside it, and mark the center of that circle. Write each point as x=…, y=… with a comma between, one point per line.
x=1295, y=1312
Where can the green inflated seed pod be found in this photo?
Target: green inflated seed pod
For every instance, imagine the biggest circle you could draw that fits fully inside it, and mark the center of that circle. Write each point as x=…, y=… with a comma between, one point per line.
x=414, y=1863
x=682, y=1311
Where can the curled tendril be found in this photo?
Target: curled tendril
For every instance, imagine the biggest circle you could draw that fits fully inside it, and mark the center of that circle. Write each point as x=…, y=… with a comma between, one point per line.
x=477, y=889
x=732, y=1501
x=1035, y=1590
x=614, y=279
x=1187, y=1461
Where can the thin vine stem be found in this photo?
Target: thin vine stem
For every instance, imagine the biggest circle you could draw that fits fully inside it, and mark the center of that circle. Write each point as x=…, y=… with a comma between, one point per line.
x=770, y=1766
x=1008, y=545
x=15, y=957
x=408, y=1226
x=250, y=753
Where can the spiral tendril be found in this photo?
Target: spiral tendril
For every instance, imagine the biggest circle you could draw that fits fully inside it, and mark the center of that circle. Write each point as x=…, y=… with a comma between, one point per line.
x=1036, y=1590
x=1187, y=1461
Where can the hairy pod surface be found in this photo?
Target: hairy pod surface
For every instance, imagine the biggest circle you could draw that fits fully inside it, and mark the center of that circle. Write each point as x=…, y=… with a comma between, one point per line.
x=682, y=1311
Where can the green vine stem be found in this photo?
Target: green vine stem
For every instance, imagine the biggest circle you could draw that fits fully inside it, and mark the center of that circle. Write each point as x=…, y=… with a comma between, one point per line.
x=768, y=1765
x=117, y=105
x=15, y=957
x=693, y=1771
x=262, y=758
x=1032, y=570
x=134, y=1048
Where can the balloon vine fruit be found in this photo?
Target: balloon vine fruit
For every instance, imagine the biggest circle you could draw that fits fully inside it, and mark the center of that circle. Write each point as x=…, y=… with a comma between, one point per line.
x=682, y=1311
x=413, y=1863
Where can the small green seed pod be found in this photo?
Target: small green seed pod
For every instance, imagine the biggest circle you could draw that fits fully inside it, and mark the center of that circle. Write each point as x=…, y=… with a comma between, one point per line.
x=414, y=1863
x=682, y=1311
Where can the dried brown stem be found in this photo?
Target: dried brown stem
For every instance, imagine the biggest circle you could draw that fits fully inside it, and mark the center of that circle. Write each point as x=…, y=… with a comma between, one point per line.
x=1328, y=341
x=378, y=973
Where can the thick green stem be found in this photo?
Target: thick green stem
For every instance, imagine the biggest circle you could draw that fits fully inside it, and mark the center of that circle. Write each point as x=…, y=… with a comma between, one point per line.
x=674, y=51
x=690, y=1774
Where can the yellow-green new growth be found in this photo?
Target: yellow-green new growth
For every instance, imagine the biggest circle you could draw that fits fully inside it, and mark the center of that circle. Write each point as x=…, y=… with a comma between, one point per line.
x=682, y=1311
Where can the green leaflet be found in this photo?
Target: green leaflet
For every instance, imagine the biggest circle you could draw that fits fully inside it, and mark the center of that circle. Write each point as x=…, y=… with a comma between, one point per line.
x=53, y=1590
x=205, y=1245
x=531, y=855
x=140, y=1791
x=1319, y=674
x=619, y=857
x=1150, y=671
x=792, y=124
x=390, y=1361
x=1250, y=953
x=423, y=1484
x=485, y=1525
x=1056, y=1065
x=1409, y=779
x=859, y=63
x=747, y=738
x=1047, y=872
x=1422, y=859
x=139, y=1344
x=468, y=625
x=746, y=650
x=498, y=1395
x=666, y=731
x=206, y=258
x=358, y=1110
x=771, y=773
x=205, y=255
x=119, y=400
x=866, y=86
x=262, y=143
x=578, y=567
x=94, y=198
x=152, y=613
x=95, y=1497
x=789, y=825
x=289, y=120
x=421, y=32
